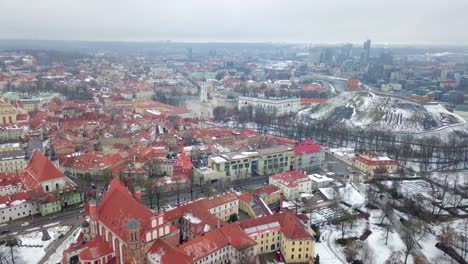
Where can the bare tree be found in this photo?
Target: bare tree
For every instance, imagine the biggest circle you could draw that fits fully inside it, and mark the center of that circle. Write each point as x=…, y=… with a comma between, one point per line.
x=387, y=211
x=395, y=258
x=344, y=222
x=178, y=186
x=149, y=190
x=447, y=235
x=192, y=183
x=409, y=241
x=463, y=237
x=372, y=195
x=367, y=255
x=336, y=195
x=352, y=250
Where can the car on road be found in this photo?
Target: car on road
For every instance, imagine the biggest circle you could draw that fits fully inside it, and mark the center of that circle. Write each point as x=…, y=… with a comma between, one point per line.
x=25, y=224
x=279, y=256
x=4, y=232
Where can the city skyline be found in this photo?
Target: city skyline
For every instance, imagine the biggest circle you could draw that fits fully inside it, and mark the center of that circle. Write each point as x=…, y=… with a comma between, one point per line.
x=395, y=22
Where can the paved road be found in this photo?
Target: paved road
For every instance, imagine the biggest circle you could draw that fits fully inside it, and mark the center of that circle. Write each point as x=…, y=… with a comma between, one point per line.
x=327, y=250
x=52, y=248
x=167, y=198
x=39, y=221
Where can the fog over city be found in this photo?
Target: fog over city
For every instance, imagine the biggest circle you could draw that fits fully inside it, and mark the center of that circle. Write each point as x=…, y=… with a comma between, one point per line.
x=233, y=132
x=319, y=21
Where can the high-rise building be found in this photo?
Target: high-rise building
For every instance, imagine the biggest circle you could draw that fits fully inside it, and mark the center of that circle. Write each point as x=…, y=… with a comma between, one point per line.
x=365, y=53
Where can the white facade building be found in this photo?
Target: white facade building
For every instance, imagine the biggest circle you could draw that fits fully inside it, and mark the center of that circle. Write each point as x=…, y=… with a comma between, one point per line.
x=203, y=92
x=292, y=184
x=17, y=206
x=280, y=106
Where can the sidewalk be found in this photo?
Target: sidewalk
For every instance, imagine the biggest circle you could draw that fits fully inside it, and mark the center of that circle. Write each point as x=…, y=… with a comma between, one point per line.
x=52, y=248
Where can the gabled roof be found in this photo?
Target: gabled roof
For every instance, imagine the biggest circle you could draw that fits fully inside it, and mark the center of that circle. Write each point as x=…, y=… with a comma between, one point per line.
x=236, y=236
x=96, y=248
x=40, y=169
x=183, y=160
x=306, y=147
x=290, y=225
x=118, y=206
x=230, y=234
x=289, y=178
x=163, y=253
x=203, y=246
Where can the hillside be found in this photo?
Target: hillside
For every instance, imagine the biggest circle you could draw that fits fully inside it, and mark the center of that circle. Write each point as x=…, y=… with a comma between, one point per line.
x=369, y=110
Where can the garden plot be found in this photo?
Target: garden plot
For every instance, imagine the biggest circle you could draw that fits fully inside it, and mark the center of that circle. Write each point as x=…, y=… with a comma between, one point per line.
x=327, y=214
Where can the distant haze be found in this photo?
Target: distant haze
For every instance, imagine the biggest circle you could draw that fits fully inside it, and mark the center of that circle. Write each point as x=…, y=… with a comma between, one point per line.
x=312, y=21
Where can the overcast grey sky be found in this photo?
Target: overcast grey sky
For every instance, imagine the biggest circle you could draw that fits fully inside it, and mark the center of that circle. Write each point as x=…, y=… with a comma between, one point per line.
x=314, y=21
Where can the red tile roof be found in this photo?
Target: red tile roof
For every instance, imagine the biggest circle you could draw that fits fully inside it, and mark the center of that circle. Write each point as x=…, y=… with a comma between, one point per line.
x=118, y=206
x=40, y=169
x=289, y=178
x=375, y=161
x=306, y=147
x=205, y=245
x=291, y=226
x=96, y=248
x=9, y=179
x=163, y=253
x=313, y=100
x=236, y=236
x=267, y=189
x=230, y=234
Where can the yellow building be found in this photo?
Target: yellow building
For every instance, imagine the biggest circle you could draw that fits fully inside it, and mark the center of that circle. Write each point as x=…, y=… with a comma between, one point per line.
x=12, y=161
x=260, y=201
x=269, y=193
x=8, y=147
x=281, y=232
x=7, y=113
x=11, y=133
x=373, y=164
x=32, y=104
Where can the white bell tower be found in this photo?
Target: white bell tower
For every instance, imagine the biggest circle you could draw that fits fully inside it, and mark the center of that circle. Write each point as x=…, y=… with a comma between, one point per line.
x=203, y=92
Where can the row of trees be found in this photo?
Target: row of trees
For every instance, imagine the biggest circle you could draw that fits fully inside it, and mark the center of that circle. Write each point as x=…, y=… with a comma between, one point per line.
x=430, y=153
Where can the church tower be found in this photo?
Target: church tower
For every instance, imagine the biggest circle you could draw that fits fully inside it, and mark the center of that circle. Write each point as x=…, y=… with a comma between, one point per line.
x=134, y=252
x=203, y=92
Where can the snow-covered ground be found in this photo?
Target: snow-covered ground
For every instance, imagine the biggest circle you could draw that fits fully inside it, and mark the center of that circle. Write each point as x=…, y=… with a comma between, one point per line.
x=57, y=256
x=332, y=253
x=31, y=255
x=348, y=193
x=460, y=178
x=382, y=111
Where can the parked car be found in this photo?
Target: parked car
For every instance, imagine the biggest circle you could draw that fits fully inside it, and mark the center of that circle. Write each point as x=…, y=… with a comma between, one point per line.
x=279, y=256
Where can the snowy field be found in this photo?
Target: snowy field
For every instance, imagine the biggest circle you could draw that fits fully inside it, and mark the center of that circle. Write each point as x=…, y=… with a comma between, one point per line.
x=348, y=193
x=332, y=253
x=32, y=237
x=460, y=178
